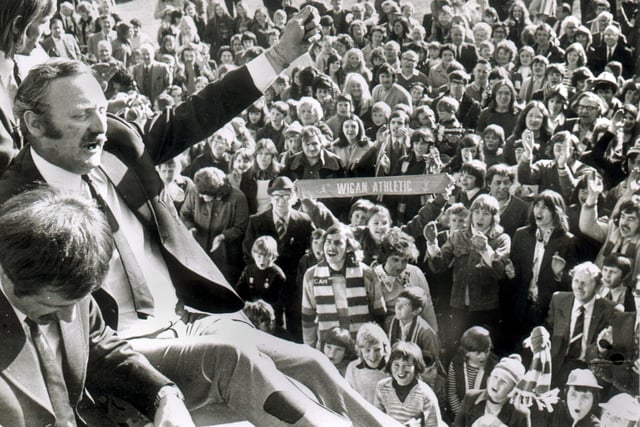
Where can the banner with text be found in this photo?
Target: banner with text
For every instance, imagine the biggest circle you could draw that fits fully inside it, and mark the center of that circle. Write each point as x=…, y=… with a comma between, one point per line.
x=386, y=185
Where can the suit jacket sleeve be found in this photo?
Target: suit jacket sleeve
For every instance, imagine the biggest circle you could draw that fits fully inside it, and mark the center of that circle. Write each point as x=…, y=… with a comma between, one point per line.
x=200, y=115
x=250, y=236
x=114, y=367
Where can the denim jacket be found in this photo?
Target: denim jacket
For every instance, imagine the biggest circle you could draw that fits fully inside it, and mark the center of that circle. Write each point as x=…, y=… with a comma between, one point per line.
x=471, y=271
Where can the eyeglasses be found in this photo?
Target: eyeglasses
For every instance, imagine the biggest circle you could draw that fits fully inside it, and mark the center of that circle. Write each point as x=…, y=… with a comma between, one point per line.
x=587, y=107
x=281, y=196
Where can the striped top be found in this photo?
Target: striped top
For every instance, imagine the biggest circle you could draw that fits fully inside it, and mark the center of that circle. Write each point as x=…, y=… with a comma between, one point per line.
x=421, y=402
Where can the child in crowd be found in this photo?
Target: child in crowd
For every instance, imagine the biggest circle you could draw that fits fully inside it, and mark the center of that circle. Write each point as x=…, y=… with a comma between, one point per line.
x=338, y=347
x=261, y=314
x=449, y=130
x=263, y=279
x=176, y=186
x=622, y=410
x=522, y=70
x=616, y=269
x=579, y=405
x=370, y=237
x=240, y=163
x=364, y=373
x=454, y=218
x=492, y=406
x=468, y=368
x=492, y=142
x=359, y=213
x=380, y=113
x=404, y=396
x=408, y=324
x=312, y=256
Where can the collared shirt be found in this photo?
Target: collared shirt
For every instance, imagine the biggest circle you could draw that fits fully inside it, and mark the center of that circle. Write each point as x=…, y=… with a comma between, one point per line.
x=146, y=250
x=277, y=218
x=588, y=312
x=51, y=331
x=145, y=247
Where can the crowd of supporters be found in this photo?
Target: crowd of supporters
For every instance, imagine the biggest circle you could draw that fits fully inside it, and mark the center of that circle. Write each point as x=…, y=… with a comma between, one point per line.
x=516, y=281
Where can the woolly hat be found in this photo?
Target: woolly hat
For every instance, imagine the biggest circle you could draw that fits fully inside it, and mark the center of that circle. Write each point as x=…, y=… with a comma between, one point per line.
x=513, y=366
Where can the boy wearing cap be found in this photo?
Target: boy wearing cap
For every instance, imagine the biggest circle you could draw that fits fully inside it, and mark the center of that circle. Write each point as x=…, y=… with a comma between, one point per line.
x=292, y=230
x=577, y=409
x=491, y=406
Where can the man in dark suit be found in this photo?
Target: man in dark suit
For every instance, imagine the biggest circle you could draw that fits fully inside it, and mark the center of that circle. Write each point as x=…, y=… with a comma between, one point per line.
x=574, y=319
x=47, y=311
x=106, y=33
x=612, y=47
x=151, y=77
x=74, y=144
x=465, y=53
x=59, y=44
x=546, y=252
x=292, y=230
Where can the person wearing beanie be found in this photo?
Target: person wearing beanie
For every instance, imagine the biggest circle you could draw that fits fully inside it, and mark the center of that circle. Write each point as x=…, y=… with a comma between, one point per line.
x=491, y=406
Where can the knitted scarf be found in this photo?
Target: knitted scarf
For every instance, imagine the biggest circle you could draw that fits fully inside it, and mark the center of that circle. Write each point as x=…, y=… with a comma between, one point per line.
x=536, y=383
x=357, y=302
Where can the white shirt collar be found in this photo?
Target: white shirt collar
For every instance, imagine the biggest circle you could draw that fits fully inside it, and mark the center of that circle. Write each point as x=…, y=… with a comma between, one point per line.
x=588, y=307
x=6, y=70
x=55, y=176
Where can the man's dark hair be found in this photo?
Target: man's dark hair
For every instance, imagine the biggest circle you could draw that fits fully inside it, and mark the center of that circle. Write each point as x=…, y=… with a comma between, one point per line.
x=54, y=240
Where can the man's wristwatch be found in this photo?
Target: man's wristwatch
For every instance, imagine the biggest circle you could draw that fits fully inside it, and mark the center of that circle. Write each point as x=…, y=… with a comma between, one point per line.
x=167, y=390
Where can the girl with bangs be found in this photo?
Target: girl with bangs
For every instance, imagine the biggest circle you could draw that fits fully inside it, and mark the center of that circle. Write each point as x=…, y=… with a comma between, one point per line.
x=478, y=254
x=352, y=143
x=533, y=122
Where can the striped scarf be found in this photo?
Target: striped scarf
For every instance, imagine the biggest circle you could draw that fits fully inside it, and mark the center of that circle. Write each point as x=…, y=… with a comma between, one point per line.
x=536, y=383
x=357, y=302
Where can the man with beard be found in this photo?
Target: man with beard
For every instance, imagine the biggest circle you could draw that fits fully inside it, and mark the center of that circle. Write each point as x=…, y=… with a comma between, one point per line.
x=621, y=234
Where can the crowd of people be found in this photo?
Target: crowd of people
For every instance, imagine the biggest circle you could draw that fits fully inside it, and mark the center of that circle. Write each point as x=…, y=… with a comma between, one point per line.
x=509, y=298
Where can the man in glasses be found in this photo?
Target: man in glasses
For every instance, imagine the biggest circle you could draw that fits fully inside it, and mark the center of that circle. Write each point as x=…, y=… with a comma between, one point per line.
x=292, y=230
x=589, y=107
